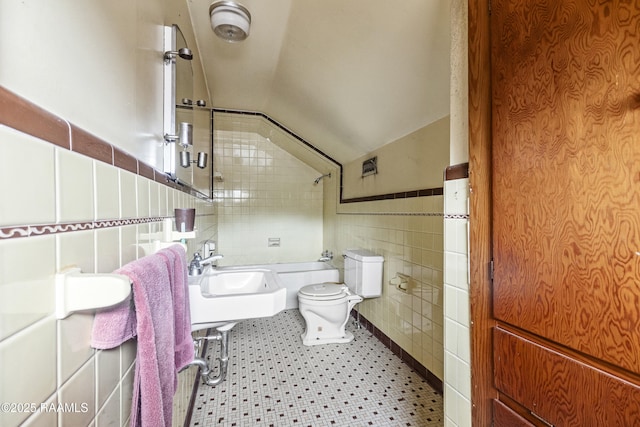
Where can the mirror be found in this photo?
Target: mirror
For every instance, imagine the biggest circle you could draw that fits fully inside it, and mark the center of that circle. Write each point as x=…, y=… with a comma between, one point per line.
x=178, y=105
x=202, y=143
x=188, y=141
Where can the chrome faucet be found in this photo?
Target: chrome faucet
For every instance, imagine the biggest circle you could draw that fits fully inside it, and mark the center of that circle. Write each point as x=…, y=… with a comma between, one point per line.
x=197, y=263
x=326, y=256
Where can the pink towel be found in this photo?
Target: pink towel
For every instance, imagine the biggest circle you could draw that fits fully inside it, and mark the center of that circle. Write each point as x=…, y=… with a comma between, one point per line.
x=160, y=318
x=176, y=259
x=153, y=385
x=114, y=326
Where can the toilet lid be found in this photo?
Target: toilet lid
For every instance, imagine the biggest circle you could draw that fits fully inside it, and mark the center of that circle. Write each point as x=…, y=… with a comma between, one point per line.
x=322, y=290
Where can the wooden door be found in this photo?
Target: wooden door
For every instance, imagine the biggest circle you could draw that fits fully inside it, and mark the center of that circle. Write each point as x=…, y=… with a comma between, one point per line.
x=566, y=210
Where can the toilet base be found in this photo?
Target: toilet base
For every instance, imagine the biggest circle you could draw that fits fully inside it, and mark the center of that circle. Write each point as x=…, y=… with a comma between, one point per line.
x=309, y=341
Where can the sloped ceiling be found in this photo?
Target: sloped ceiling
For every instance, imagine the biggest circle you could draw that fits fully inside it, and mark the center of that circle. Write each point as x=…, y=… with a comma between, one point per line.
x=348, y=76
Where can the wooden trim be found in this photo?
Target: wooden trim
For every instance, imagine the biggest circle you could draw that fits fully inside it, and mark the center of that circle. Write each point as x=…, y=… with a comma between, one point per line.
x=425, y=192
x=507, y=417
x=460, y=171
x=90, y=145
x=22, y=115
x=124, y=160
x=482, y=390
x=146, y=171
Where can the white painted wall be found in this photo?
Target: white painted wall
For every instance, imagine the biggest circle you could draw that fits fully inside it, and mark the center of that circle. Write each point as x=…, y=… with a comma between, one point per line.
x=96, y=63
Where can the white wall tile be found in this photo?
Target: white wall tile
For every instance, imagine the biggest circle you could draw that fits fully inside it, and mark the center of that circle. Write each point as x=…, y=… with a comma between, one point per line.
x=79, y=393
x=76, y=249
x=163, y=200
x=458, y=374
x=143, y=189
x=74, y=336
x=44, y=418
x=127, y=354
x=456, y=195
x=74, y=187
x=107, y=373
x=30, y=199
x=109, y=414
x=171, y=201
x=129, y=242
x=107, y=191
x=128, y=195
x=457, y=270
x=26, y=287
x=126, y=393
x=457, y=409
x=457, y=304
x=107, y=250
x=457, y=340
x=154, y=199
x=456, y=236
x=28, y=368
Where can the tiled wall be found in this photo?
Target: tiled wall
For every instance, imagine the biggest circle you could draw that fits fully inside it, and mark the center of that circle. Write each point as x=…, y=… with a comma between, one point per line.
x=457, y=377
x=60, y=208
x=263, y=192
x=457, y=358
x=408, y=233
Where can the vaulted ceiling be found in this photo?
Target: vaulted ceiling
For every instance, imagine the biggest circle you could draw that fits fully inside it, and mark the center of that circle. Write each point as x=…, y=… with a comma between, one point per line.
x=349, y=76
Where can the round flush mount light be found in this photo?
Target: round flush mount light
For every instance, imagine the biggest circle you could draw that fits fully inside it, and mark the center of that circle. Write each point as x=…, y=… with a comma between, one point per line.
x=230, y=20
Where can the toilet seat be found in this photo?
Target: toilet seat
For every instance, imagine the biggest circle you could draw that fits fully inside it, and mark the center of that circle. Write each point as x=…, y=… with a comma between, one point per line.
x=323, y=291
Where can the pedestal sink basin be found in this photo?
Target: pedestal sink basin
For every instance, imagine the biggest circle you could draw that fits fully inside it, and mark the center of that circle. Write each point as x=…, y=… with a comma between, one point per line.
x=221, y=298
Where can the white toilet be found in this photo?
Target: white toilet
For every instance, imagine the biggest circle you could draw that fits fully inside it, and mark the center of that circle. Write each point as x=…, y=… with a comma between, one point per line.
x=325, y=307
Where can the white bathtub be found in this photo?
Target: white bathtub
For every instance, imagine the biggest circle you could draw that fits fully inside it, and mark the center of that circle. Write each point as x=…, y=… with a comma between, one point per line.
x=295, y=275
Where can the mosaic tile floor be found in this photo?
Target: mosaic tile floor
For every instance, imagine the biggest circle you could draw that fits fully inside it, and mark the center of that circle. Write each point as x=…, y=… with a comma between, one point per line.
x=273, y=380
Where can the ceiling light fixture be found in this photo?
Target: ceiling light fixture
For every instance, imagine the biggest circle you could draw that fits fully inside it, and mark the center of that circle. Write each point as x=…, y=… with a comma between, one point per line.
x=230, y=20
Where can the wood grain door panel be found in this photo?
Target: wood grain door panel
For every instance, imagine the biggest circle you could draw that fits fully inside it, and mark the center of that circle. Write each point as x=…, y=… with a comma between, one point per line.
x=506, y=417
x=566, y=173
x=559, y=389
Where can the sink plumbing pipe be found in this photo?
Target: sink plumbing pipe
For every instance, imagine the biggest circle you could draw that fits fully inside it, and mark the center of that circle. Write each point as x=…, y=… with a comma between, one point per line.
x=206, y=373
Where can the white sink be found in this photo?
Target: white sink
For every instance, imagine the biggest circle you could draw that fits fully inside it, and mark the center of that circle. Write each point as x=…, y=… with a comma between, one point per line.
x=221, y=298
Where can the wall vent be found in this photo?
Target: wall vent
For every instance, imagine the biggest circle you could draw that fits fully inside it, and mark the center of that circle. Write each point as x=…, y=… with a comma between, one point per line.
x=370, y=166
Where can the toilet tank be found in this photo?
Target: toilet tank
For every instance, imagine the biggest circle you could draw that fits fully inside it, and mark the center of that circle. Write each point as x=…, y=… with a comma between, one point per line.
x=363, y=272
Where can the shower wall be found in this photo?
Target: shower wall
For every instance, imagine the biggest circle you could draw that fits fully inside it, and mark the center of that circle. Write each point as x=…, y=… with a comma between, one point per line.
x=263, y=193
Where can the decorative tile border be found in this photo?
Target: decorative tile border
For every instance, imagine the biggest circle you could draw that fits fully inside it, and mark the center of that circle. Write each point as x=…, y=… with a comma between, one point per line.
x=393, y=213
x=456, y=216
x=13, y=232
